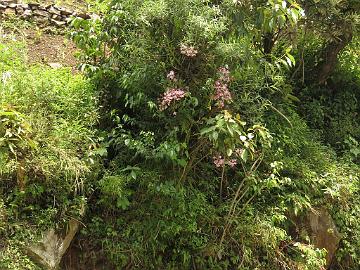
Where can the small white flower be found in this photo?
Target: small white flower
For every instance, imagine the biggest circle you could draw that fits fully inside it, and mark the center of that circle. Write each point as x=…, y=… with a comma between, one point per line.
x=5, y=76
x=171, y=76
x=250, y=136
x=243, y=138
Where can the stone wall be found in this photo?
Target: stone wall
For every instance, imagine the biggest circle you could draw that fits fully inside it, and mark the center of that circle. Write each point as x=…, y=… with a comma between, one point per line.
x=41, y=14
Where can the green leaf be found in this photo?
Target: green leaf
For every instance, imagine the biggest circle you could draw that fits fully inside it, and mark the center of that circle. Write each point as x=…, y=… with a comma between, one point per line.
x=122, y=203
x=133, y=174
x=244, y=155
x=182, y=162
x=215, y=135
x=207, y=130
x=230, y=129
x=292, y=59
x=292, y=97
x=102, y=151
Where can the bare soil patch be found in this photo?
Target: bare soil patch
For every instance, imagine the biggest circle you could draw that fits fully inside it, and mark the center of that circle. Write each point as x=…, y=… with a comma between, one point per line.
x=43, y=45
x=49, y=48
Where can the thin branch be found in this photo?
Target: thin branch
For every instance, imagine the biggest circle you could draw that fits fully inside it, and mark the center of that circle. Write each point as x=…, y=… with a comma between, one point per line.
x=276, y=110
x=222, y=179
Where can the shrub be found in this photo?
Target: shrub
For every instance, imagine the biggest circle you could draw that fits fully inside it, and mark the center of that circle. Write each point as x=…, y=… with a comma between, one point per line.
x=185, y=88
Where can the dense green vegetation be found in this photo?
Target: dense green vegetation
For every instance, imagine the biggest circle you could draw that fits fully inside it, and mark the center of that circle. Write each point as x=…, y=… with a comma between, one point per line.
x=48, y=119
x=200, y=135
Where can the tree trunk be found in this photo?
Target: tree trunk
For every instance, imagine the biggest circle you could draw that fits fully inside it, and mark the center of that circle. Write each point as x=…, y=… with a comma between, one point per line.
x=268, y=43
x=330, y=56
x=21, y=175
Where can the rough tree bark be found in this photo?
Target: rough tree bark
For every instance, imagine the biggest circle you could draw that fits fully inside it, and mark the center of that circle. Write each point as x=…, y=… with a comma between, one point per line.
x=330, y=55
x=268, y=43
x=21, y=174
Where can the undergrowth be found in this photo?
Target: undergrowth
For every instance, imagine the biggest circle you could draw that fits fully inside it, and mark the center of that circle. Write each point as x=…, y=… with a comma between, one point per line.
x=193, y=142
x=47, y=150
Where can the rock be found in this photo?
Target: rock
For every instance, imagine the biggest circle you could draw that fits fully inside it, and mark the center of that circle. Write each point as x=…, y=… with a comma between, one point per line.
x=56, y=17
x=40, y=19
x=50, y=250
x=19, y=10
x=8, y=2
x=55, y=65
x=82, y=15
x=57, y=22
x=27, y=13
x=53, y=10
x=65, y=12
x=24, y=6
x=40, y=12
x=95, y=17
x=34, y=5
x=68, y=20
x=9, y=11
x=323, y=232
x=319, y=226
x=48, y=6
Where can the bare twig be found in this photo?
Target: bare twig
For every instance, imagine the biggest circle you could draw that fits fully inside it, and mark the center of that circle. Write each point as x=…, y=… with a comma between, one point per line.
x=238, y=197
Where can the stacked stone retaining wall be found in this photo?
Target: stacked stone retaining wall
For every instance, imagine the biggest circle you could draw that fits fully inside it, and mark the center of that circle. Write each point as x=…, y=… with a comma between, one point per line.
x=41, y=14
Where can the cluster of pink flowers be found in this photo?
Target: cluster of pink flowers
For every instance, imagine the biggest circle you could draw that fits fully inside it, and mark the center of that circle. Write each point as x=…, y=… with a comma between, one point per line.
x=224, y=74
x=171, y=95
x=189, y=51
x=219, y=161
x=232, y=163
x=171, y=76
x=222, y=93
